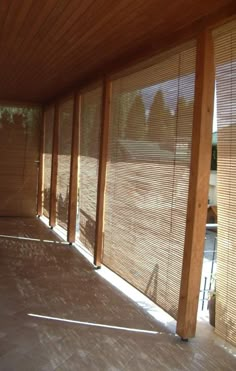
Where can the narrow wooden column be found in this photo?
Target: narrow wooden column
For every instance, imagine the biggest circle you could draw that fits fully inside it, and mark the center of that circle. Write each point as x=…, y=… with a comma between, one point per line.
x=98, y=252
x=73, y=192
x=198, y=187
x=53, y=190
x=41, y=167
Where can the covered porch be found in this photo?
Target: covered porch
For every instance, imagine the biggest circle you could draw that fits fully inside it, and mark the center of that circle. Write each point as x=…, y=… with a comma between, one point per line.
x=106, y=116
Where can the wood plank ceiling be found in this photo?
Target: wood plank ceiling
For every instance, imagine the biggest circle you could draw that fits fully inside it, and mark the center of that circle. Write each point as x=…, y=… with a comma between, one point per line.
x=49, y=45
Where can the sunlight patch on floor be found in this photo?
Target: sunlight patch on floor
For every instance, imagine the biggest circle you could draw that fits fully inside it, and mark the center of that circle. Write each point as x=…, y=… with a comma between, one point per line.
x=140, y=299
x=96, y=324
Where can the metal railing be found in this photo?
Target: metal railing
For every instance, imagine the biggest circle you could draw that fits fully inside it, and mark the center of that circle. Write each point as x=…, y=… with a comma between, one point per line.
x=209, y=265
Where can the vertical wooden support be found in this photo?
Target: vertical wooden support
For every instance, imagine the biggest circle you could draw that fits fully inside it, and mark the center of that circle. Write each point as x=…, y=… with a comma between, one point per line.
x=53, y=191
x=198, y=187
x=41, y=167
x=73, y=192
x=98, y=252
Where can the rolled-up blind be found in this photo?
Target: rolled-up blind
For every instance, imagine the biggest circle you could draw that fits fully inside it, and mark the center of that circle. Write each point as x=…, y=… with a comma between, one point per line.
x=47, y=158
x=89, y=143
x=225, y=51
x=64, y=157
x=148, y=175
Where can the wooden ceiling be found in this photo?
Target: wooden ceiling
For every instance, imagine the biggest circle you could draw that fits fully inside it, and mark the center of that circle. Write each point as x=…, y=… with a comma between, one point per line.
x=49, y=46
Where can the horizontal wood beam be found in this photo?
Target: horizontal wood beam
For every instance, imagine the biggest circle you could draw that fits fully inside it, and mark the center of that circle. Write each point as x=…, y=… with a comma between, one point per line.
x=12, y=103
x=198, y=187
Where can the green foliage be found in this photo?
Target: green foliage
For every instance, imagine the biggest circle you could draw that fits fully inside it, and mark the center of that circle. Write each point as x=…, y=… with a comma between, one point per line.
x=90, y=121
x=212, y=292
x=19, y=117
x=214, y=158
x=161, y=123
x=135, y=128
x=184, y=122
x=122, y=109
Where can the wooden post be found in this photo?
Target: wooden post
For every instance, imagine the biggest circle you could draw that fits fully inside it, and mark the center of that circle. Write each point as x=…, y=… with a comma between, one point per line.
x=53, y=191
x=198, y=187
x=41, y=167
x=73, y=192
x=98, y=252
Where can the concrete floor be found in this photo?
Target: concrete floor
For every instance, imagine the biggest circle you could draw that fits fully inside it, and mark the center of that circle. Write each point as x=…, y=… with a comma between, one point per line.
x=52, y=279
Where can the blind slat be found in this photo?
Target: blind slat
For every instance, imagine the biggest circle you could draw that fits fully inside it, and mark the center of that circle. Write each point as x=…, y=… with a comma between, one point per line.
x=47, y=158
x=89, y=137
x=148, y=176
x=64, y=156
x=225, y=51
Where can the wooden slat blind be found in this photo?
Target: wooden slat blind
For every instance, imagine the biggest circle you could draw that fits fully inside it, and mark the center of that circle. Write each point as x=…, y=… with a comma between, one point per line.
x=47, y=158
x=148, y=176
x=89, y=140
x=225, y=50
x=19, y=149
x=64, y=157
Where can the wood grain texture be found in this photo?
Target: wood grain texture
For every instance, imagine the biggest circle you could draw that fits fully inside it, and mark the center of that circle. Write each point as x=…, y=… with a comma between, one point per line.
x=73, y=192
x=53, y=188
x=98, y=251
x=41, y=167
x=198, y=187
x=19, y=151
x=50, y=46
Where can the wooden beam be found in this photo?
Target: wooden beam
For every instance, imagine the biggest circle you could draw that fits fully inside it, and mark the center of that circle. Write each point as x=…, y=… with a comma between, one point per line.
x=198, y=187
x=73, y=192
x=98, y=251
x=53, y=189
x=20, y=104
x=41, y=167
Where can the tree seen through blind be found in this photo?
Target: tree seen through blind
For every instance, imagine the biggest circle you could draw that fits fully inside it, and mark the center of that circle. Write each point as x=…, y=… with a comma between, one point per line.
x=136, y=120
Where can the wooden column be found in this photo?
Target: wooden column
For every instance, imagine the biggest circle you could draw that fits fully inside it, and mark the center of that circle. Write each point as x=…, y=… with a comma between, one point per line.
x=198, y=187
x=53, y=190
x=98, y=252
x=73, y=192
x=41, y=167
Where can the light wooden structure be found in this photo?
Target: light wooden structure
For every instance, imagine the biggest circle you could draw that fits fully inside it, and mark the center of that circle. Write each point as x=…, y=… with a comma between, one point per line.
x=198, y=188
x=50, y=51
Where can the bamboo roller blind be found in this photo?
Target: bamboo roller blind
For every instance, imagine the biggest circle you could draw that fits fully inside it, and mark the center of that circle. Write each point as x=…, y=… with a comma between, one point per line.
x=64, y=157
x=225, y=51
x=47, y=158
x=89, y=143
x=148, y=176
x=19, y=149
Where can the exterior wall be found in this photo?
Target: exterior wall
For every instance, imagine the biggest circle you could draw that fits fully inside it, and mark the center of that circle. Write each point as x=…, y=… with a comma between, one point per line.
x=212, y=196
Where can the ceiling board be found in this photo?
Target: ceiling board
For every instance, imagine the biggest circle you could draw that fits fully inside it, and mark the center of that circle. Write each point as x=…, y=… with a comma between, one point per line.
x=49, y=45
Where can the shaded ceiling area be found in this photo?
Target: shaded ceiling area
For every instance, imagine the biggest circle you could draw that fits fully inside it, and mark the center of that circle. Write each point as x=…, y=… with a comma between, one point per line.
x=49, y=46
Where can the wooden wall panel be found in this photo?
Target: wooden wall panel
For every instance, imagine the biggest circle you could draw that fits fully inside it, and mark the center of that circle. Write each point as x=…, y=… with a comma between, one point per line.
x=19, y=153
